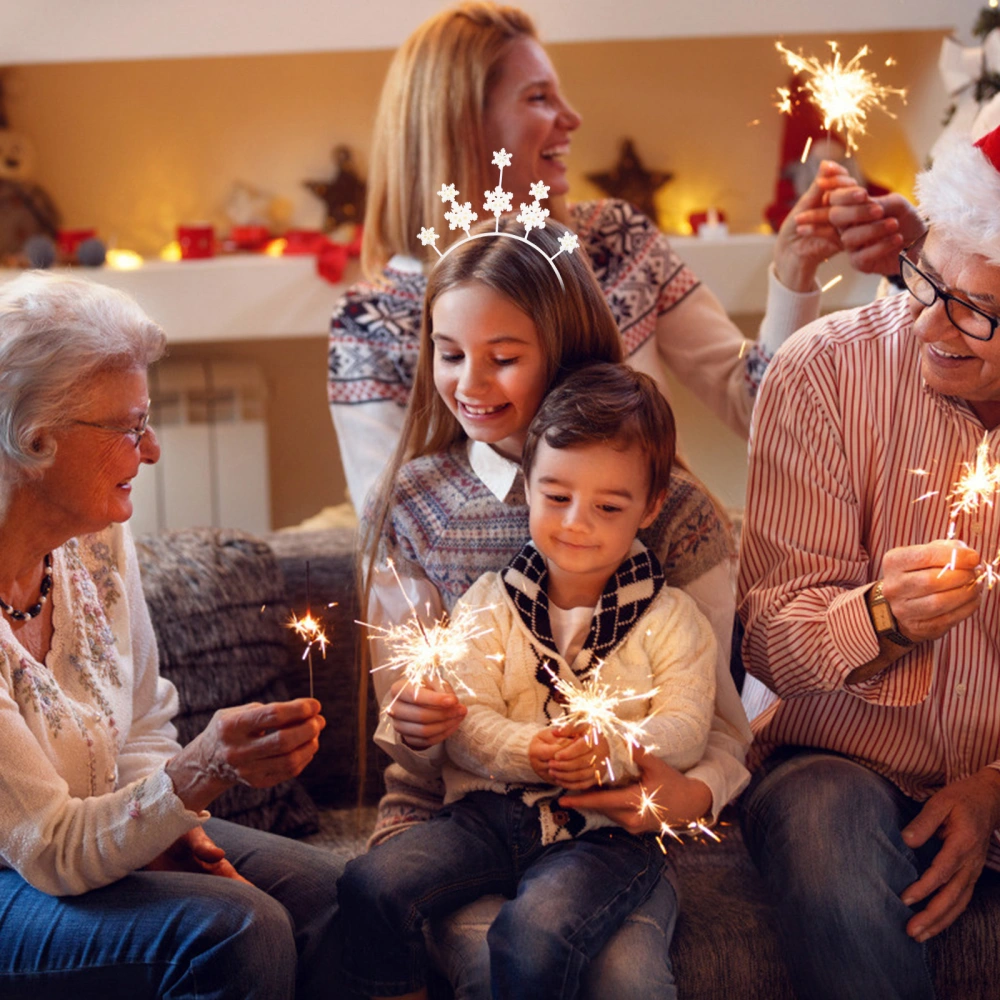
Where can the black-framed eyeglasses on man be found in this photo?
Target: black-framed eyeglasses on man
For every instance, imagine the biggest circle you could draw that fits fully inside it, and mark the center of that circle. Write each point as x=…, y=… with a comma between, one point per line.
x=963, y=315
x=137, y=433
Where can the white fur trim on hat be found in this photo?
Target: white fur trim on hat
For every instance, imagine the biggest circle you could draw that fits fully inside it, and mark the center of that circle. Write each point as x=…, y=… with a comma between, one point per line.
x=960, y=197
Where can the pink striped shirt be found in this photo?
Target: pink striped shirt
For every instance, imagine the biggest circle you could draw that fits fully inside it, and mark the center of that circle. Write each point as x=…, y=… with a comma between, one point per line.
x=842, y=421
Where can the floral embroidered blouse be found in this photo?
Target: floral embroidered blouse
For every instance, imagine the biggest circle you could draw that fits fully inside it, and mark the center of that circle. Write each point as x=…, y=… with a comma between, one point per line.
x=84, y=798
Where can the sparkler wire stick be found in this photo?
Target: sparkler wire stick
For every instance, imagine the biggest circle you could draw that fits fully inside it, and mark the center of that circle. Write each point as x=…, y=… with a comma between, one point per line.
x=310, y=630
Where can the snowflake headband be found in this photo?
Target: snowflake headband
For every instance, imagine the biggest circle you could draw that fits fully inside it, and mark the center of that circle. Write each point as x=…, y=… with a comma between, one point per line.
x=498, y=201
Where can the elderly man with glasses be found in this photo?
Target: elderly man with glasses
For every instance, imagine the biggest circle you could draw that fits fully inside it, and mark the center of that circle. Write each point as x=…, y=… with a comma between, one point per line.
x=865, y=590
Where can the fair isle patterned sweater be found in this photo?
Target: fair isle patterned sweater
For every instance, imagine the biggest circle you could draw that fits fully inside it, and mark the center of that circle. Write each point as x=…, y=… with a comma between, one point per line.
x=446, y=525
x=375, y=330
x=644, y=638
x=84, y=798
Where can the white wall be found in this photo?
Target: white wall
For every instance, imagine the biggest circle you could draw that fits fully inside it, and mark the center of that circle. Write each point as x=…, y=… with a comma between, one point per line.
x=34, y=31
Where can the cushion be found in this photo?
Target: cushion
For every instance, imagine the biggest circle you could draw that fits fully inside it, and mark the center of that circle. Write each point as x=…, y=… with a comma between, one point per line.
x=332, y=777
x=216, y=600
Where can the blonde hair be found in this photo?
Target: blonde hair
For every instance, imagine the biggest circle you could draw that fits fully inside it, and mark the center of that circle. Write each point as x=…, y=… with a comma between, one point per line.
x=575, y=328
x=429, y=126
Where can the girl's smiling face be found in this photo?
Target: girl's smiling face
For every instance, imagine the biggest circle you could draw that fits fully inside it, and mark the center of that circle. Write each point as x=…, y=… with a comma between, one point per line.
x=488, y=365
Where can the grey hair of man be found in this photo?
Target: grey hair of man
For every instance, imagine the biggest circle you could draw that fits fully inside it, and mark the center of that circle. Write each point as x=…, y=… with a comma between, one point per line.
x=56, y=333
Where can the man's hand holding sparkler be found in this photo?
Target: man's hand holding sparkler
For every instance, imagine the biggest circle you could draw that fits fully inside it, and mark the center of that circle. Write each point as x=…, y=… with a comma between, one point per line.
x=932, y=587
x=423, y=716
x=929, y=588
x=569, y=757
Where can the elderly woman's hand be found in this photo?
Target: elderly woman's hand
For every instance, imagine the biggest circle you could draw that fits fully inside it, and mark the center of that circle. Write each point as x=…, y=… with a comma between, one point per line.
x=195, y=852
x=258, y=745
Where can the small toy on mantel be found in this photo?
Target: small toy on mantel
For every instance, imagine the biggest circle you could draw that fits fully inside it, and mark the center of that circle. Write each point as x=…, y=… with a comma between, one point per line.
x=344, y=195
x=26, y=210
x=629, y=180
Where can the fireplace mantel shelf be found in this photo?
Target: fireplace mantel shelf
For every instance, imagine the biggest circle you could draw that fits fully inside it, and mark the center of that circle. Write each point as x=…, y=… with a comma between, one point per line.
x=252, y=297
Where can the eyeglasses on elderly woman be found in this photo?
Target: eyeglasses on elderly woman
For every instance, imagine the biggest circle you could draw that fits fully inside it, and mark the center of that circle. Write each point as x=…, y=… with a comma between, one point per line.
x=963, y=315
x=136, y=433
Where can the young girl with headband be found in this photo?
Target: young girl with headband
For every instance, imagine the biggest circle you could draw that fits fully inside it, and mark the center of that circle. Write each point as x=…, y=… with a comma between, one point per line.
x=497, y=332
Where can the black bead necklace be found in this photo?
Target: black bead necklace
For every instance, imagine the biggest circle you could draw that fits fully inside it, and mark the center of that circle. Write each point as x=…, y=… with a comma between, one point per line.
x=43, y=596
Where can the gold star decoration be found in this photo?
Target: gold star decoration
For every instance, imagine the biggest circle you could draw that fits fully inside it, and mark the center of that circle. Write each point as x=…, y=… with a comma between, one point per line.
x=629, y=180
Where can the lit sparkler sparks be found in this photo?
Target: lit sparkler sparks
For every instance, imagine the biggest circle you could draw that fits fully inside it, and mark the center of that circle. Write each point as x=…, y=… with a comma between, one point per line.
x=843, y=93
x=976, y=487
x=648, y=806
x=310, y=629
x=592, y=707
x=427, y=655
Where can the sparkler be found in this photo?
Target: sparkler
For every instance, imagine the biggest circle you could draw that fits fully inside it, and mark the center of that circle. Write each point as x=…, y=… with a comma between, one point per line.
x=649, y=806
x=310, y=630
x=426, y=656
x=843, y=93
x=592, y=708
x=976, y=486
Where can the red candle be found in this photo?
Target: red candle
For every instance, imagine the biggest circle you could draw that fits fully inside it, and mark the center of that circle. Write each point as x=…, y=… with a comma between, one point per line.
x=196, y=240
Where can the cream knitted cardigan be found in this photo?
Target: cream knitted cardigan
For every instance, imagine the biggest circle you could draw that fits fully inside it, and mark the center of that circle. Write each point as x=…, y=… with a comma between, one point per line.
x=671, y=647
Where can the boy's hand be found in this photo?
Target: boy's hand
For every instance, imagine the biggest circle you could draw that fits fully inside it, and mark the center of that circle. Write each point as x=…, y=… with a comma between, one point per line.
x=579, y=763
x=541, y=751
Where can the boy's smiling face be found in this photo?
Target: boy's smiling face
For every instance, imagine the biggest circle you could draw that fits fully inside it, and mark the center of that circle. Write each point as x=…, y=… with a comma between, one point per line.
x=586, y=505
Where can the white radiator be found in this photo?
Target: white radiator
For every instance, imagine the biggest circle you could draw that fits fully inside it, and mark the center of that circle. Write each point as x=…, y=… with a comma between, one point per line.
x=209, y=418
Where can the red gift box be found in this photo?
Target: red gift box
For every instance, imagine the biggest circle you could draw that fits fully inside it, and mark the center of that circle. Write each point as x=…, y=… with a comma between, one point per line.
x=69, y=240
x=250, y=237
x=196, y=241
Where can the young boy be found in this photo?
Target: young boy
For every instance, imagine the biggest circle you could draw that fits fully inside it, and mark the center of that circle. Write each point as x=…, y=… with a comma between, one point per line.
x=583, y=599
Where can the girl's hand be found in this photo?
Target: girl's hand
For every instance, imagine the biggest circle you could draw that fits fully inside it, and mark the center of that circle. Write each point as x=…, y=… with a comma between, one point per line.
x=423, y=717
x=681, y=799
x=580, y=763
x=257, y=745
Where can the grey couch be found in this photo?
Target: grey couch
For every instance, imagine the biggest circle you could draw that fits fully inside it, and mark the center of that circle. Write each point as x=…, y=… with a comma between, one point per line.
x=220, y=602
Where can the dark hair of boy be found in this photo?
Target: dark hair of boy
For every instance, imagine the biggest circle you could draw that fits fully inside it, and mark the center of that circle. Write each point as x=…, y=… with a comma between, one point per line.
x=607, y=403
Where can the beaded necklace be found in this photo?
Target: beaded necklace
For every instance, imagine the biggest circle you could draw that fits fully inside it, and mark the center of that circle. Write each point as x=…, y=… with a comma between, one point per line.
x=43, y=596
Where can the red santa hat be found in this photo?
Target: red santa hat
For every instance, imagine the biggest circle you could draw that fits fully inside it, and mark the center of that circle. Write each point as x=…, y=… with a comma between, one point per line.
x=960, y=195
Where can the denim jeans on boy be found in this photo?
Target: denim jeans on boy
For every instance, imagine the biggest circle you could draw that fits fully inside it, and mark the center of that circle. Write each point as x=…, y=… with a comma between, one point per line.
x=564, y=899
x=178, y=935
x=635, y=962
x=825, y=834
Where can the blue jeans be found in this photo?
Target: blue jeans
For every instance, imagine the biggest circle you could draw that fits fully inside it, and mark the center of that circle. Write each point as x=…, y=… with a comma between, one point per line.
x=177, y=935
x=564, y=900
x=825, y=834
x=634, y=963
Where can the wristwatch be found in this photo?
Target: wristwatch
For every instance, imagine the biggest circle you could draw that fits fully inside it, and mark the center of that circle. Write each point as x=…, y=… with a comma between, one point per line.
x=883, y=619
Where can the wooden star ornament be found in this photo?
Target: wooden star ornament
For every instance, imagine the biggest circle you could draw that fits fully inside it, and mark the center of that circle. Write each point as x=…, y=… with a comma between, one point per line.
x=629, y=180
x=344, y=195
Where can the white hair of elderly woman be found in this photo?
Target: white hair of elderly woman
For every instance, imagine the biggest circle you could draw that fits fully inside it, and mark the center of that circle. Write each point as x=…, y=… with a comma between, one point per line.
x=56, y=332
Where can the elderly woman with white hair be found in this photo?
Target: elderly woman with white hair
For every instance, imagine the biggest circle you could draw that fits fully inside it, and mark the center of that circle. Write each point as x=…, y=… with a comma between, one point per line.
x=113, y=877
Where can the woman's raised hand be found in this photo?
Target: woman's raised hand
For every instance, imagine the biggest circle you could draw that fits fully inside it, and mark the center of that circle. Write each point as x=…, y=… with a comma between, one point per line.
x=422, y=716
x=807, y=237
x=254, y=744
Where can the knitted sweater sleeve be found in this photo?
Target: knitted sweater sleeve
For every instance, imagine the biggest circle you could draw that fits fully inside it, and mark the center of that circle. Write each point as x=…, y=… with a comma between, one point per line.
x=681, y=650
x=489, y=743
